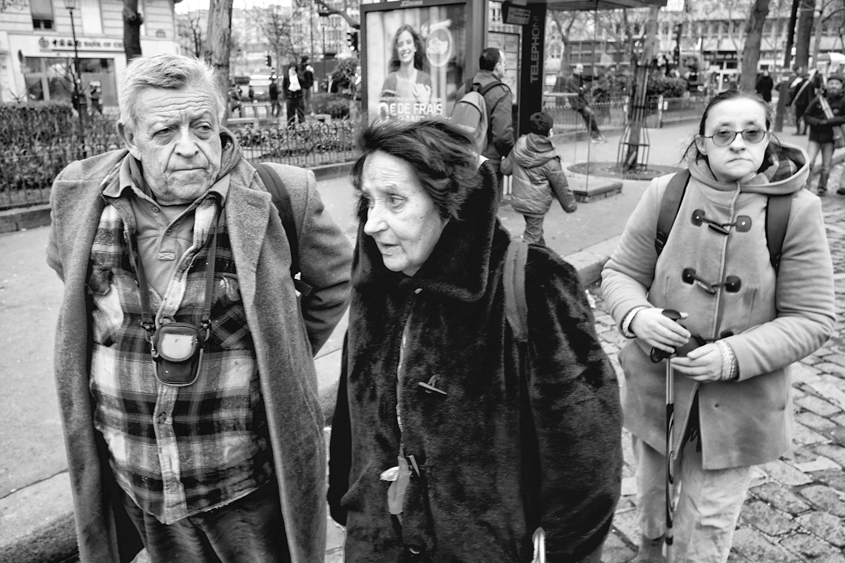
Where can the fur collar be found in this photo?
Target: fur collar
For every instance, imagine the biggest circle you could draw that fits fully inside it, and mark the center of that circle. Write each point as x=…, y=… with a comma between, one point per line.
x=460, y=262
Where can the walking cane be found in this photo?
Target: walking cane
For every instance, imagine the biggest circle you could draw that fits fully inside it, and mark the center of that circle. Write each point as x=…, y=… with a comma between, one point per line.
x=656, y=356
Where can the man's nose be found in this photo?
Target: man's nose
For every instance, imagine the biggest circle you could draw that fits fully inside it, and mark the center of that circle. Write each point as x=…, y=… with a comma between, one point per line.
x=186, y=144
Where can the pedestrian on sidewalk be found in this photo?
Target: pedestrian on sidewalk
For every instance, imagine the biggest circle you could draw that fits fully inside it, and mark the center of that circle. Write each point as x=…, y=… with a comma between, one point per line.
x=499, y=101
x=294, y=100
x=445, y=446
x=307, y=83
x=183, y=364
x=822, y=127
x=273, y=91
x=578, y=102
x=801, y=93
x=747, y=323
x=537, y=177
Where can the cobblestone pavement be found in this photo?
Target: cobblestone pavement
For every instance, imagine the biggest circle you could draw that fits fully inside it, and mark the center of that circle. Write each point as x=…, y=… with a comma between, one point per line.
x=795, y=510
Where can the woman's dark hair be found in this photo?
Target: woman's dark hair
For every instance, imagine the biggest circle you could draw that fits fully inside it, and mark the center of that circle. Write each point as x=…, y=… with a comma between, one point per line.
x=419, y=55
x=692, y=148
x=441, y=154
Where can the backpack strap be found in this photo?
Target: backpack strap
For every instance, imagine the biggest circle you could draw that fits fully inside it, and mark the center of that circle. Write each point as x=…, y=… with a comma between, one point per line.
x=669, y=206
x=516, y=306
x=281, y=199
x=777, y=217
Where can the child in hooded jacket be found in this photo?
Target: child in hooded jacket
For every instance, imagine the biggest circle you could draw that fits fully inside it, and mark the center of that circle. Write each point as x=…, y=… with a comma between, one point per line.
x=732, y=388
x=537, y=177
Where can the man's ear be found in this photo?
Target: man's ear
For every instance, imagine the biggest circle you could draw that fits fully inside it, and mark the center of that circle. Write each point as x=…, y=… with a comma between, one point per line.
x=699, y=144
x=128, y=136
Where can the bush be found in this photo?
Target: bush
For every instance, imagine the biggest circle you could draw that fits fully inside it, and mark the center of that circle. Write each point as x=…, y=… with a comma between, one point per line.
x=668, y=87
x=29, y=125
x=335, y=105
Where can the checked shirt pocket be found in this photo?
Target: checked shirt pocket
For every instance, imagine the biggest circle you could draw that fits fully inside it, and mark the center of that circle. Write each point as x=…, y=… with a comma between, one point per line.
x=229, y=328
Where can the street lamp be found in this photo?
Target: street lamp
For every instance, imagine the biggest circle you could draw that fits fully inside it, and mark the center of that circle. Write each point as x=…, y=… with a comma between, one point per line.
x=71, y=5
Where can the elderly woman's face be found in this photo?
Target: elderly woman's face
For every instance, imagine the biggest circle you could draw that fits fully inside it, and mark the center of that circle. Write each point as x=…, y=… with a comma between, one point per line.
x=401, y=217
x=177, y=140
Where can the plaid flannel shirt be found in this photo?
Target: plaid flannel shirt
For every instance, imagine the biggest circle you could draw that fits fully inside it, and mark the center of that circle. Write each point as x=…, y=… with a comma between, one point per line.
x=175, y=451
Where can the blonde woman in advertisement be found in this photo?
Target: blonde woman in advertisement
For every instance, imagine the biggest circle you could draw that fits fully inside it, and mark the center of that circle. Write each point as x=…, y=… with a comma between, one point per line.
x=406, y=91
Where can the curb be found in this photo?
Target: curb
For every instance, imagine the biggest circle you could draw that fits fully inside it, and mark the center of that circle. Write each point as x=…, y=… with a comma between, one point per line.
x=24, y=218
x=37, y=520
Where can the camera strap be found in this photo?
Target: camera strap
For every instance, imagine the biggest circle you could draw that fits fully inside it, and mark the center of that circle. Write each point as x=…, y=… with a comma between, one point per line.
x=147, y=317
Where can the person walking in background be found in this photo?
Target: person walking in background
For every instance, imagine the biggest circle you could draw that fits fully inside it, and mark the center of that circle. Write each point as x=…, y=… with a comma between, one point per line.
x=821, y=127
x=273, y=93
x=499, y=102
x=96, y=96
x=537, y=177
x=764, y=86
x=307, y=83
x=801, y=93
x=235, y=101
x=442, y=447
x=294, y=101
x=747, y=321
x=184, y=364
x=575, y=85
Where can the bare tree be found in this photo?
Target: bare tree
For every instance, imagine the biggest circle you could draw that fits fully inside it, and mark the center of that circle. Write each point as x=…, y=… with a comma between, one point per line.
x=753, y=40
x=804, y=32
x=564, y=25
x=277, y=26
x=218, y=46
x=191, y=34
x=132, y=21
x=329, y=9
x=5, y=4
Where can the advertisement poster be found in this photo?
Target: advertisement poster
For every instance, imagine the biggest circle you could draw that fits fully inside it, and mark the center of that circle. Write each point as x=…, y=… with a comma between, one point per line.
x=509, y=44
x=414, y=58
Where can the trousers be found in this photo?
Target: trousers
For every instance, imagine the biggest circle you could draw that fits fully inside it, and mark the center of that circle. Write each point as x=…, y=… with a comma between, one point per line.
x=534, y=229
x=708, y=502
x=247, y=530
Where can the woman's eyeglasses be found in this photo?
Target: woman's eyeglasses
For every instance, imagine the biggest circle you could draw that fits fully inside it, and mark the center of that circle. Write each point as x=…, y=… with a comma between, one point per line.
x=724, y=138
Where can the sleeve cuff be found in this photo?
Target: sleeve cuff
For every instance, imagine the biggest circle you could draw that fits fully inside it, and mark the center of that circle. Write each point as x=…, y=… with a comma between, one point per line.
x=629, y=318
x=730, y=366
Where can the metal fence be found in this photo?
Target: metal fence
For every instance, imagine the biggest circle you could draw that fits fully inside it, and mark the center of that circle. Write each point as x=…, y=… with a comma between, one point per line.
x=613, y=114
x=27, y=172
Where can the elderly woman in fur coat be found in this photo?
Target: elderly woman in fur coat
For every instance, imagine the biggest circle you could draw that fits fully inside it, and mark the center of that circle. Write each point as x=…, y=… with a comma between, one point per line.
x=442, y=449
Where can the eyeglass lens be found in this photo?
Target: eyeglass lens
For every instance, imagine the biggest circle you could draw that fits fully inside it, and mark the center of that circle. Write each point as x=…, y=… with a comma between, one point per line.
x=725, y=137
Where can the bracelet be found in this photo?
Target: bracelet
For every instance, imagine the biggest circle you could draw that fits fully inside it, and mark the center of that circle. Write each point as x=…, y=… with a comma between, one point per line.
x=629, y=318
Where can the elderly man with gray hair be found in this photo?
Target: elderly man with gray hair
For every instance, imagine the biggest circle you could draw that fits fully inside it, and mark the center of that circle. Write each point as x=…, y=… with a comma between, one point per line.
x=184, y=363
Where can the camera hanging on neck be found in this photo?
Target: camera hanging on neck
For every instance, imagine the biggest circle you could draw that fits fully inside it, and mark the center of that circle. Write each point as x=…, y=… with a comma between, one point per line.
x=177, y=348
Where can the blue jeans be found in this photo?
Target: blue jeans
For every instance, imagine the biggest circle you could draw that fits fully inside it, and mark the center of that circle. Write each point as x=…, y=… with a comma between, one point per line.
x=250, y=529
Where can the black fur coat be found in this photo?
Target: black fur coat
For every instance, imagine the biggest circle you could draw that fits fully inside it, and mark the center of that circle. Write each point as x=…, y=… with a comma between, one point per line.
x=498, y=455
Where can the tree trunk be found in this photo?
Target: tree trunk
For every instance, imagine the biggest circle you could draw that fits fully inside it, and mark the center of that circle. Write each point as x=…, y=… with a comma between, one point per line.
x=218, y=42
x=132, y=21
x=804, y=32
x=751, y=49
x=639, y=85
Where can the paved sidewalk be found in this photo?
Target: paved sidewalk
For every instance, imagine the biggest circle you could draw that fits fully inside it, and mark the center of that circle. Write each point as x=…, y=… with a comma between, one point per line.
x=794, y=513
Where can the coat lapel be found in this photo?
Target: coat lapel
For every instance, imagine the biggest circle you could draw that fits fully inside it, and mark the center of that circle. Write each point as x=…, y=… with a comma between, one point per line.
x=247, y=214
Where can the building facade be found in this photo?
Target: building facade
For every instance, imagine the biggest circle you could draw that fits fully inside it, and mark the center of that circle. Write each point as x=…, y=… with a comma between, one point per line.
x=37, y=51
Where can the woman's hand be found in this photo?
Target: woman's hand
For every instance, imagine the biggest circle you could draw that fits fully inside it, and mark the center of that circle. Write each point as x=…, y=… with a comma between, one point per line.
x=658, y=330
x=422, y=93
x=702, y=364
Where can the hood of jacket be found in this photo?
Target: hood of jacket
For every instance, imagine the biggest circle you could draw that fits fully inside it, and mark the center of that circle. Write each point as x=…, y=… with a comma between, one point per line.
x=533, y=150
x=459, y=265
x=785, y=171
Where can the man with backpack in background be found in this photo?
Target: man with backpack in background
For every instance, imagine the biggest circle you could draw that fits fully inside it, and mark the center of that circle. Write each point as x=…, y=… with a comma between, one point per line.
x=498, y=101
x=307, y=83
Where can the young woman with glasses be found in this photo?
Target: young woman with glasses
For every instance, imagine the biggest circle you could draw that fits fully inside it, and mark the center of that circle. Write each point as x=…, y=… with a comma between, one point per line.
x=742, y=323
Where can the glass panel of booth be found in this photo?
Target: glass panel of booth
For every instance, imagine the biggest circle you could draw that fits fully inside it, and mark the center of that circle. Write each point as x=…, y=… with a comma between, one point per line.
x=414, y=57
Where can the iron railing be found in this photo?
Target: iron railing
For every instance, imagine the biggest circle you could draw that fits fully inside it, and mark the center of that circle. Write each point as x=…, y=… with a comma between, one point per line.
x=614, y=113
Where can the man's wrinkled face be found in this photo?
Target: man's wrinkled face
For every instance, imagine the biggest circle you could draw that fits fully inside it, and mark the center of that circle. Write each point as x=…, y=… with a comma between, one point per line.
x=177, y=140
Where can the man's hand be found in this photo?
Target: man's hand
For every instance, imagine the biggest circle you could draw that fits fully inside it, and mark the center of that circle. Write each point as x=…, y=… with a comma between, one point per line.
x=702, y=364
x=659, y=331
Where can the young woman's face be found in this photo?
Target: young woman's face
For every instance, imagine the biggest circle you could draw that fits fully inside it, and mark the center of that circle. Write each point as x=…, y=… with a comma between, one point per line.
x=405, y=47
x=739, y=159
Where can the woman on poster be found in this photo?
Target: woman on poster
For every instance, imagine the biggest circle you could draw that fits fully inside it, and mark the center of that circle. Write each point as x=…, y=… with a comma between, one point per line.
x=406, y=92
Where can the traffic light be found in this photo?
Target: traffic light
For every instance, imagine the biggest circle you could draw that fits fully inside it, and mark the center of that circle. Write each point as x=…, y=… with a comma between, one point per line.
x=352, y=40
x=268, y=60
